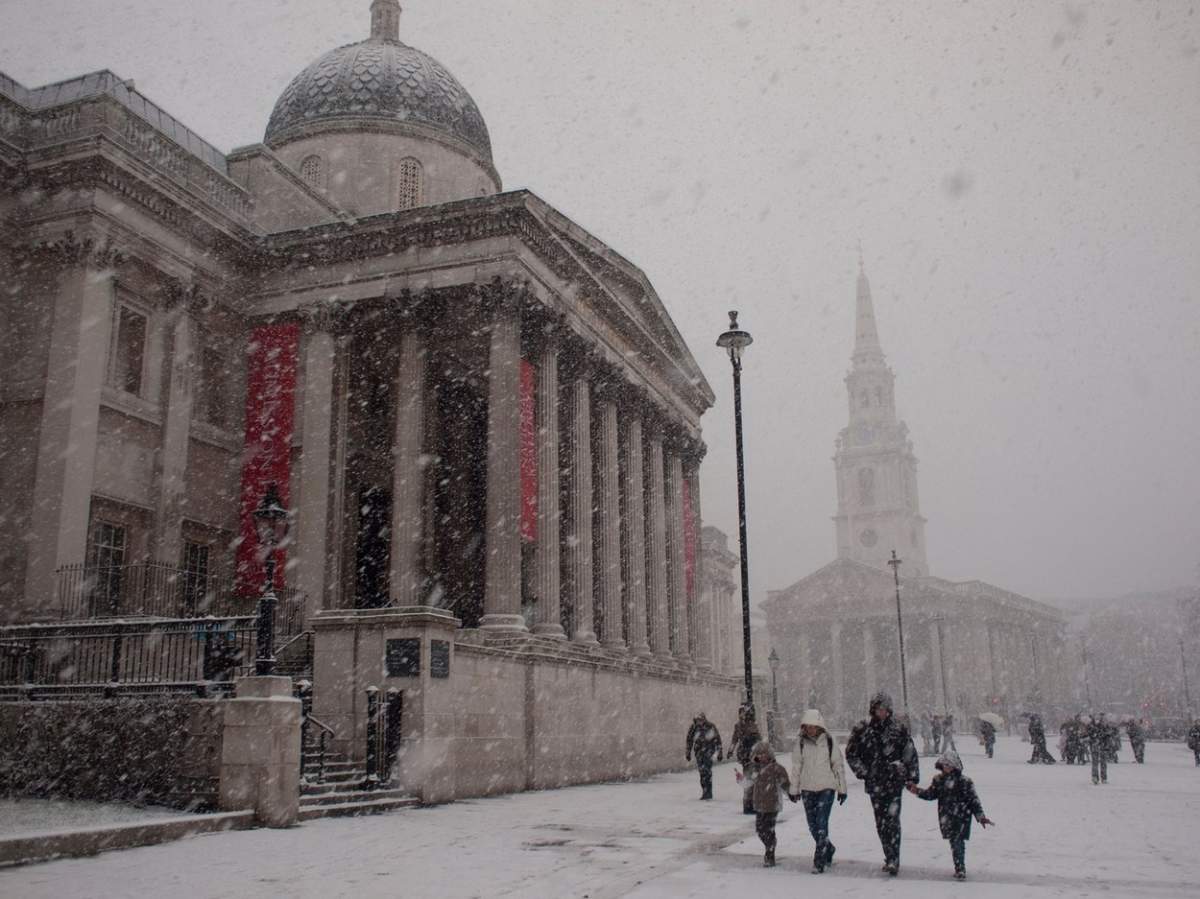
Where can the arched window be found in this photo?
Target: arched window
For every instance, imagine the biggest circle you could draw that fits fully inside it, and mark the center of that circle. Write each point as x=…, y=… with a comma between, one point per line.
x=409, y=182
x=312, y=170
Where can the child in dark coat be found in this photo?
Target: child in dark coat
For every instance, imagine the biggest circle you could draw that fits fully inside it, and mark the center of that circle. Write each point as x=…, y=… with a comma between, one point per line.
x=957, y=804
x=770, y=783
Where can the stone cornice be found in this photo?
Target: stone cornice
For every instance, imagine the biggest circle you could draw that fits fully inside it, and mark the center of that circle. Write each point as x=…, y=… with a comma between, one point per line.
x=70, y=250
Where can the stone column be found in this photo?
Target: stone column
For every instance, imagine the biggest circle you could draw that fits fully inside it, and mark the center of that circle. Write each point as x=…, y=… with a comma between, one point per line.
x=177, y=422
x=702, y=639
x=579, y=545
x=656, y=556
x=316, y=458
x=936, y=660
x=408, y=472
x=675, y=556
x=337, y=524
x=635, y=522
x=547, y=550
x=502, y=595
x=835, y=659
x=868, y=632
x=84, y=301
x=608, y=546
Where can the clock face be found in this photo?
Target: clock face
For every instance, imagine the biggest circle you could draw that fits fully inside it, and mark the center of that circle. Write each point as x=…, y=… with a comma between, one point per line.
x=868, y=538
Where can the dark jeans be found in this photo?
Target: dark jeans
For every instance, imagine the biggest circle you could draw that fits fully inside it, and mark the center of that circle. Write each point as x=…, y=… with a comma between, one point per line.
x=817, y=805
x=1197, y=753
x=764, y=826
x=1139, y=752
x=1099, y=764
x=958, y=849
x=886, y=806
x=704, y=766
x=990, y=746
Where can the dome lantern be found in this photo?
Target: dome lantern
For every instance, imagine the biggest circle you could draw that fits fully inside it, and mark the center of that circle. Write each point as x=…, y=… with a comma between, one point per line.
x=385, y=20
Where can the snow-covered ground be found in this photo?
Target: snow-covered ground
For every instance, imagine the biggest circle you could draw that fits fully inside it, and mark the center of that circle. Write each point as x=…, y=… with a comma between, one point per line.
x=1057, y=835
x=21, y=816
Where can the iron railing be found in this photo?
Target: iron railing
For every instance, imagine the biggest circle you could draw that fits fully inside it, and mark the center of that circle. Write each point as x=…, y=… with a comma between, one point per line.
x=199, y=655
x=384, y=721
x=165, y=591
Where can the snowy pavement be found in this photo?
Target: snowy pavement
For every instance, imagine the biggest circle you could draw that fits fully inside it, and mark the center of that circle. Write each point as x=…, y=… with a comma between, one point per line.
x=21, y=816
x=1057, y=835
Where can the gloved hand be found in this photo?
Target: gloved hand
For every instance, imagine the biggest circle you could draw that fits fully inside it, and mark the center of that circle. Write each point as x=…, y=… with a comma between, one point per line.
x=793, y=797
x=841, y=798
x=985, y=821
x=688, y=756
x=720, y=756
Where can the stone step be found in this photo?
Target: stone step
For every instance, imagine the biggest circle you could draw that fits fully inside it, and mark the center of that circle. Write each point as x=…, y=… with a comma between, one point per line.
x=308, y=800
x=345, y=809
x=346, y=786
x=342, y=764
x=338, y=777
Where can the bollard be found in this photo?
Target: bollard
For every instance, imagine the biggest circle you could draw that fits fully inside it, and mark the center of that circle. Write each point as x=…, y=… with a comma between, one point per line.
x=372, y=737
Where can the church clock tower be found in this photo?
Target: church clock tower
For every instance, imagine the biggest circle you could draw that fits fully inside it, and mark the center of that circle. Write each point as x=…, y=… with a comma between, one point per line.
x=878, y=509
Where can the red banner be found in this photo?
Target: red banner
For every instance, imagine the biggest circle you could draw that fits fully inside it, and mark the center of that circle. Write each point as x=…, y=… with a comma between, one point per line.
x=267, y=455
x=689, y=542
x=529, y=453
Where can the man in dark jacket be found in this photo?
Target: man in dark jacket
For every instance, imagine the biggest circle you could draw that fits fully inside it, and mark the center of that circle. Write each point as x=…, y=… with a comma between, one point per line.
x=957, y=804
x=881, y=753
x=1097, y=740
x=746, y=736
x=987, y=732
x=1137, y=740
x=1037, y=736
x=704, y=740
x=1193, y=740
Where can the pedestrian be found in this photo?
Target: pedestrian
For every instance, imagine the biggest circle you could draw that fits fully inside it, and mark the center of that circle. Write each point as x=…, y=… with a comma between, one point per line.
x=935, y=726
x=1097, y=737
x=770, y=781
x=745, y=736
x=1193, y=739
x=1137, y=740
x=818, y=776
x=704, y=740
x=948, y=733
x=1037, y=736
x=987, y=734
x=1112, y=739
x=958, y=802
x=925, y=728
x=881, y=753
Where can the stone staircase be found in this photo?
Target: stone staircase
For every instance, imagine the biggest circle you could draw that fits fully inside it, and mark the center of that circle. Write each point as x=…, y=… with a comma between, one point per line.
x=343, y=791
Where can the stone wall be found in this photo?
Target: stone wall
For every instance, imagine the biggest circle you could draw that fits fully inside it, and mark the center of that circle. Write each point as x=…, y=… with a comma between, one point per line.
x=515, y=713
x=160, y=750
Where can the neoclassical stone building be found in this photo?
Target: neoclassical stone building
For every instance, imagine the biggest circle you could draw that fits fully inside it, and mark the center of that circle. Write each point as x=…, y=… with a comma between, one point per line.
x=969, y=646
x=470, y=404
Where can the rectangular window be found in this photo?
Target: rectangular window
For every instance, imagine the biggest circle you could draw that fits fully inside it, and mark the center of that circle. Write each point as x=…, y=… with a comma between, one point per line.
x=106, y=567
x=195, y=578
x=213, y=406
x=129, y=351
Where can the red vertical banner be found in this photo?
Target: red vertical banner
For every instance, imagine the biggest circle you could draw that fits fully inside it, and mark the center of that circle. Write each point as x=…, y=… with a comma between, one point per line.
x=689, y=542
x=266, y=457
x=529, y=453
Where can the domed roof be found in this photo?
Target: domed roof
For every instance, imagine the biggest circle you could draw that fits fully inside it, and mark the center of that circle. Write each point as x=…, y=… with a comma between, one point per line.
x=384, y=80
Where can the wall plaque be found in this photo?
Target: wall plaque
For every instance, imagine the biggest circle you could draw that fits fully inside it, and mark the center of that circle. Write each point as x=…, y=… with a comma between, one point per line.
x=439, y=658
x=403, y=657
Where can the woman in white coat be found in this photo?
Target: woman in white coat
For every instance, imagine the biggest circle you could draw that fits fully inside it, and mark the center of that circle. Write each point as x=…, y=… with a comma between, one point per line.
x=819, y=774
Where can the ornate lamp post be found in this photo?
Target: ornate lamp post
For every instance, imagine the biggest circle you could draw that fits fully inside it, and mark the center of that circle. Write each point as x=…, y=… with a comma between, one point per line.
x=1187, y=693
x=895, y=563
x=773, y=717
x=734, y=341
x=271, y=523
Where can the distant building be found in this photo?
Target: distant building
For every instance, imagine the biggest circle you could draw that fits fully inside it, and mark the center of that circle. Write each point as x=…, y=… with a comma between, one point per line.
x=969, y=646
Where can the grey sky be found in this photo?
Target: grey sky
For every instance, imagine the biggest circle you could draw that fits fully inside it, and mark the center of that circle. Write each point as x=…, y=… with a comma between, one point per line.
x=1024, y=177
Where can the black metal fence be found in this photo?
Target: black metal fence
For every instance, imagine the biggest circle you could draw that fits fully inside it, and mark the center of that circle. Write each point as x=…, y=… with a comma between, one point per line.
x=161, y=590
x=132, y=656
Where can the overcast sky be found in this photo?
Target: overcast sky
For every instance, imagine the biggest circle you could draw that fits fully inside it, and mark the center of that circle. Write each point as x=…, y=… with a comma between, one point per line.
x=1024, y=178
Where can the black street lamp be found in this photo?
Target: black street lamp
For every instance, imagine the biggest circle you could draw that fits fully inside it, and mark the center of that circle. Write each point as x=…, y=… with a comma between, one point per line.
x=271, y=524
x=773, y=714
x=1187, y=693
x=895, y=563
x=734, y=341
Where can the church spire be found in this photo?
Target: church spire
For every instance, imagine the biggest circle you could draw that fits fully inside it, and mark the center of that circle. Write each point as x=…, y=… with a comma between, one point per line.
x=385, y=20
x=866, y=333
